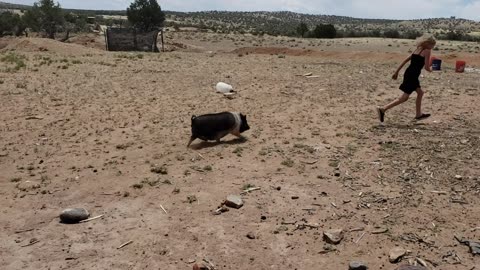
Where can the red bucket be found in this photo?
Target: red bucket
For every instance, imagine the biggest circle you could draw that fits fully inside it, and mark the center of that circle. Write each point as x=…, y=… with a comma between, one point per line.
x=460, y=66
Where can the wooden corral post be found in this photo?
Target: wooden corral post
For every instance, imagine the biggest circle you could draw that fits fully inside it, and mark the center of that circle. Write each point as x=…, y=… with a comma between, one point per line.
x=161, y=36
x=106, y=39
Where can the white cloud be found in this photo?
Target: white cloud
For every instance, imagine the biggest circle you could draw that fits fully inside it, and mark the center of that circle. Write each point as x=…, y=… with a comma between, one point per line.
x=394, y=9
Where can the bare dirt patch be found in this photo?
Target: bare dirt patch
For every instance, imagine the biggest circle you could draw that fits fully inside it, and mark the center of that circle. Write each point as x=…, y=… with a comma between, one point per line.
x=83, y=129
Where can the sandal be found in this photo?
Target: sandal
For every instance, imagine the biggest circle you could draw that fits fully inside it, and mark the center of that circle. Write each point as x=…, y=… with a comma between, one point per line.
x=381, y=115
x=423, y=116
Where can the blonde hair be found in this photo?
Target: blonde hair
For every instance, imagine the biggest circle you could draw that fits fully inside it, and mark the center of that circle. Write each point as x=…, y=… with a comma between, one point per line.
x=426, y=39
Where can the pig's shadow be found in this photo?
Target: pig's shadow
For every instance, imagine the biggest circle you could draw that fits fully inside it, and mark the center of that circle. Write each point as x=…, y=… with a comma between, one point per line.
x=205, y=144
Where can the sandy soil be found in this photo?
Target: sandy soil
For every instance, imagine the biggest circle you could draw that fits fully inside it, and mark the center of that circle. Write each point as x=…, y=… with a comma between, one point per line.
x=81, y=127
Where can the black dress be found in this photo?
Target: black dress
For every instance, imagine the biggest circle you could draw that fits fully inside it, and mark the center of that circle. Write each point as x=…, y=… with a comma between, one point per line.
x=410, y=78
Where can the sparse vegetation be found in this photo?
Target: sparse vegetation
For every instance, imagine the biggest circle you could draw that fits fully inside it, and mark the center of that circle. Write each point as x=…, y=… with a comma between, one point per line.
x=288, y=163
x=16, y=179
x=13, y=62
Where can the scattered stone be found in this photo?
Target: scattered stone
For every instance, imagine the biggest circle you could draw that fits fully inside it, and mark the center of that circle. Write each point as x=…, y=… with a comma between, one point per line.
x=473, y=245
x=74, y=215
x=295, y=197
x=458, y=177
x=337, y=174
x=234, y=201
x=357, y=266
x=190, y=261
x=279, y=188
x=411, y=267
x=251, y=236
x=333, y=236
x=396, y=254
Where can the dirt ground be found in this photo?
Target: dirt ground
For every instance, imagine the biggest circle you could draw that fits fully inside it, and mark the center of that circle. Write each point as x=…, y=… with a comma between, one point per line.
x=81, y=127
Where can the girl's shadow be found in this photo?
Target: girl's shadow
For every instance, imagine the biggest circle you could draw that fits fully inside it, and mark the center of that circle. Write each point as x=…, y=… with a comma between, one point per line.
x=205, y=144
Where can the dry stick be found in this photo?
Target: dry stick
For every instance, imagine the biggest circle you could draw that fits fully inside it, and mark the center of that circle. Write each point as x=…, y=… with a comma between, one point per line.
x=22, y=231
x=32, y=243
x=163, y=209
x=90, y=219
x=358, y=240
x=250, y=190
x=126, y=244
x=33, y=118
x=210, y=264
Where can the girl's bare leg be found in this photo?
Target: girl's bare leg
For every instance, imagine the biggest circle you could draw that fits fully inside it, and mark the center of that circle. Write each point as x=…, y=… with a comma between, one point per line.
x=381, y=110
x=419, y=102
x=396, y=102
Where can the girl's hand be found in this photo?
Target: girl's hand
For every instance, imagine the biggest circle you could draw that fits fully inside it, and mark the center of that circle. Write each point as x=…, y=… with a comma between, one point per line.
x=395, y=76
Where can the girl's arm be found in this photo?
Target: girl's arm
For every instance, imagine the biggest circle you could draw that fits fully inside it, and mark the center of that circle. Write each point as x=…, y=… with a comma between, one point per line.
x=395, y=76
x=427, y=60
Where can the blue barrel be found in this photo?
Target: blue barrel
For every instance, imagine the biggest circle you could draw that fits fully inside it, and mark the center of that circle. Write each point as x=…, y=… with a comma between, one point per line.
x=436, y=64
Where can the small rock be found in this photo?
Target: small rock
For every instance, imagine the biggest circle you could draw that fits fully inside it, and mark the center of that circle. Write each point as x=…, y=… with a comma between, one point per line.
x=337, y=174
x=458, y=177
x=295, y=197
x=251, y=236
x=474, y=247
x=234, y=201
x=357, y=266
x=396, y=254
x=411, y=267
x=74, y=215
x=333, y=236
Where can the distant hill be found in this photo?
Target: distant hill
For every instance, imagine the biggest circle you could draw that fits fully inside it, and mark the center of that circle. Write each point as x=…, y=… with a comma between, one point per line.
x=285, y=23
x=4, y=5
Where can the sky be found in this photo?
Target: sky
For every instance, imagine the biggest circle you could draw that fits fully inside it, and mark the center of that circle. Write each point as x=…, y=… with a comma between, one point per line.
x=377, y=9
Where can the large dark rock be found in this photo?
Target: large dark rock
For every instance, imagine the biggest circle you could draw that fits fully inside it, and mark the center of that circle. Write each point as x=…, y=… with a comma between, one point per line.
x=74, y=215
